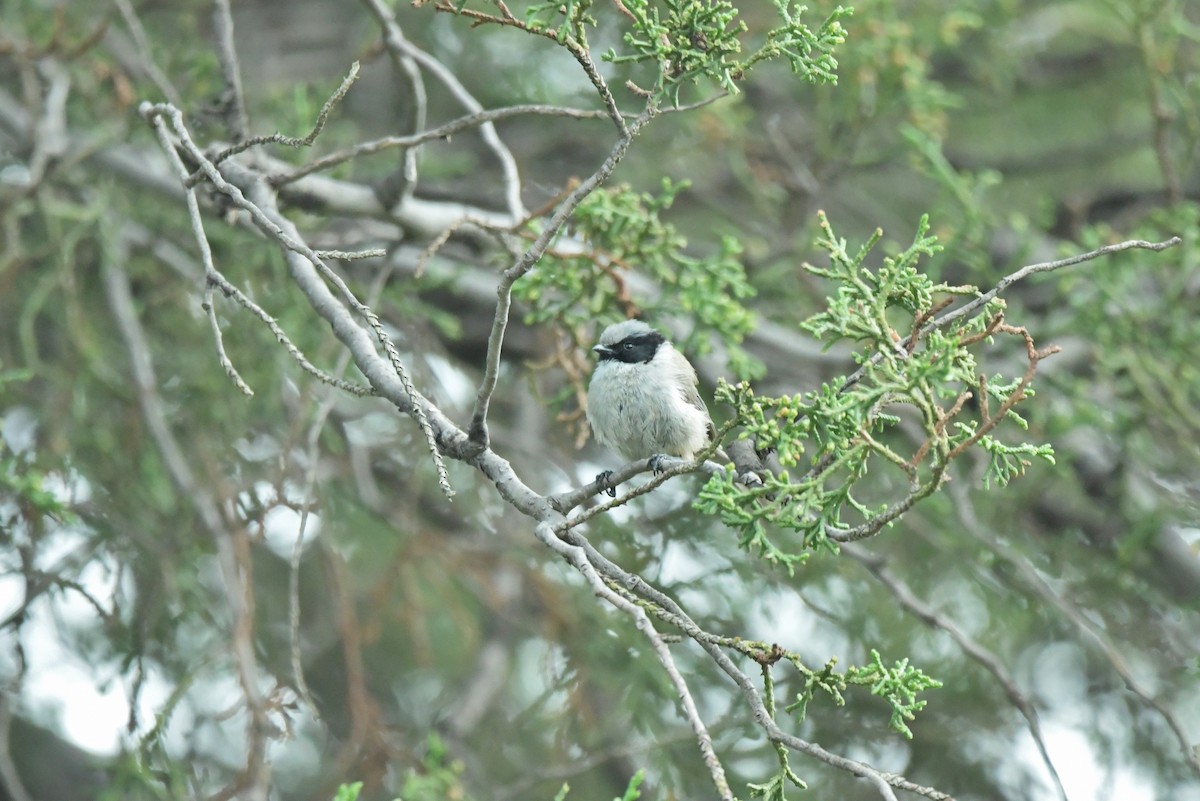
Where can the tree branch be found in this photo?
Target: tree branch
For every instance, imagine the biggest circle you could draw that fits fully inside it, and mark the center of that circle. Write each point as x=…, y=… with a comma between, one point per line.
x=395, y=41
x=578, y=558
x=478, y=427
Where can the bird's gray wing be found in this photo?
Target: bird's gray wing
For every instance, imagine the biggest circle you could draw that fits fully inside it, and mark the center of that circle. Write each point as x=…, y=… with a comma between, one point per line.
x=692, y=395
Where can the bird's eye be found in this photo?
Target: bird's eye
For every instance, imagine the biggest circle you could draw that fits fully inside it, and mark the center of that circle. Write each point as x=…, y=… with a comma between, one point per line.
x=628, y=346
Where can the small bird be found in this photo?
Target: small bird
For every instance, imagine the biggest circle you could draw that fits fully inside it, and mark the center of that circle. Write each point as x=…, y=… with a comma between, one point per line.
x=642, y=399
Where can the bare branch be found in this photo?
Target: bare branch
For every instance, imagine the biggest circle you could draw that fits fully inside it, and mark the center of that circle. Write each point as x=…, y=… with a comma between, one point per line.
x=292, y=141
x=222, y=356
x=579, y=559
x=284, y=232
x=395, y=41
x=214, y=277
x=926, y=613
x=142, y=43
x=478, y=427
x=352, y=255
x=1089, y=630
x=1043, y=267
x=233, y=99
x=444, y=131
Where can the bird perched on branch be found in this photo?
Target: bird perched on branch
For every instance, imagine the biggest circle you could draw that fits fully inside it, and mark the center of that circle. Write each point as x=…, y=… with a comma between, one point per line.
x=642, y=400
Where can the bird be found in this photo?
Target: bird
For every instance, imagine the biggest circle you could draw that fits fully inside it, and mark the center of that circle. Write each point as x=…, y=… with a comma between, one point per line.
x=643, y=401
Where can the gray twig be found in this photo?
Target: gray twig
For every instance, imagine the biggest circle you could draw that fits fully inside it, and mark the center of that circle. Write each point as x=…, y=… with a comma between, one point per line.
x=142, y=43
x=222, y=356
x=279, y=228
x=926, y=613
x=1071, y=613
x=395, y=41
x=478, y=427
x=444, y=131
x=293, y=141
x=578, y=558
x=214, y=277
x=233, y=99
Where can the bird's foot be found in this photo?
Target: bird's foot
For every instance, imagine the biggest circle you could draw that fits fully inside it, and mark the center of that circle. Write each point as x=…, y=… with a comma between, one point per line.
x=656, y=462
x=605, y=481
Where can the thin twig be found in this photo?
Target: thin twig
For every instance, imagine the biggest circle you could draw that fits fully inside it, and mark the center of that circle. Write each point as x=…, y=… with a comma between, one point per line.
x=292, y=141
x=674, y=467
x=352, y=255
x=274, y=225
x=395, y=41
x=1004, y=283
x=572, y=45
x=142, y=43
x=1090, y=631
x=222, y=356
x=926, y=613
x=444, y=131
x=233, y=98
x=578, y=558
x=231, y=291
x=478, y=427
x=214, y=277
x=870, y=528
x=1044, y=267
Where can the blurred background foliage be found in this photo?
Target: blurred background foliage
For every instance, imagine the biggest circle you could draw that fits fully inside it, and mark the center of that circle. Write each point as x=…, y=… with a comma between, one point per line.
x=449, y=655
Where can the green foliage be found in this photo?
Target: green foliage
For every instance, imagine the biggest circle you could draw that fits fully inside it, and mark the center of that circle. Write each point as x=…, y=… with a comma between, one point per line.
x=543, y=16
x=439, y=776
x=860, y=310
x=898, y=685
x=625, y=230
x=632, y=793
x=687, y=41
x=846, y=426
x=348, y=792
x=1145, y=358
x=692, y=40
x=23, y=492
x=772, y=789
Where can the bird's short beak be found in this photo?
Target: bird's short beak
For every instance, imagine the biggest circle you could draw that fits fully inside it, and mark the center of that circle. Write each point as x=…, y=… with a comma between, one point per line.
x=600, y=349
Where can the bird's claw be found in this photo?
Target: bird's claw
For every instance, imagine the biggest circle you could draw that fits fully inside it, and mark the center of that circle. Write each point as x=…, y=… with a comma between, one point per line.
x=656, y=462
x=605, y=481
